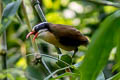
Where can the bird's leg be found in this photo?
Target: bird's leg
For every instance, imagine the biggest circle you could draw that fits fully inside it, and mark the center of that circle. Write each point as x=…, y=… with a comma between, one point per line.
x=58, y=50
x=75, y=51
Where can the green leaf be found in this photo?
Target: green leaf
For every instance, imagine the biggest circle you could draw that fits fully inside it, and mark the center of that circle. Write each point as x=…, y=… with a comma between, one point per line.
x=2, y=76
x=11, y=9
x=49, y=76
x=65, y=75
x=21, y=78
x=13, y=59
x=101, y=44
x=117, y=66
x=10, y=76
x=66, y=58
x=115, y=77
x=7, y=1
x=117, y=57
x=8, y=14
x=33, y=73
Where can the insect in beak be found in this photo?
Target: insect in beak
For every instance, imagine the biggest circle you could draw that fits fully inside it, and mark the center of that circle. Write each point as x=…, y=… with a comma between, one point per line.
x=32, y=33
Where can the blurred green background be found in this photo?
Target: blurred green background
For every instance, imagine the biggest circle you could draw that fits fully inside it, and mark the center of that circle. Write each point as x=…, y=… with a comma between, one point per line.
x=84, y=15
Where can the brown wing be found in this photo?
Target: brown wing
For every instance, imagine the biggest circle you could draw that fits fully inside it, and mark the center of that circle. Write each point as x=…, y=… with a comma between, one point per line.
x=67, y=35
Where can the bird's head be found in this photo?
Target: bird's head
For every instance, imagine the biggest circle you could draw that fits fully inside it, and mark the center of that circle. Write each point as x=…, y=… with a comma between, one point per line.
x=37, y=29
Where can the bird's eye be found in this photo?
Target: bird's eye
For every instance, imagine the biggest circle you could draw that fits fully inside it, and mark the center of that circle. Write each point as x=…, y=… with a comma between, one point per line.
x=35, y=29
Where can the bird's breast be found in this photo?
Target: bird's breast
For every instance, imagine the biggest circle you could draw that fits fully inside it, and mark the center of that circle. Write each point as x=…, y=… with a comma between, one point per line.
x=50, y=38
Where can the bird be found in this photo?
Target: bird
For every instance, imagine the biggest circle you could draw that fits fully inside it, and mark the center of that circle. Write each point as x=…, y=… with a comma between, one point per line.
x=63, y=36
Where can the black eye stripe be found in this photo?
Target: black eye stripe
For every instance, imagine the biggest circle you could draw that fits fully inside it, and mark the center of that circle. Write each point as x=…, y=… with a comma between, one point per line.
x=35, y=29
x=40, y=26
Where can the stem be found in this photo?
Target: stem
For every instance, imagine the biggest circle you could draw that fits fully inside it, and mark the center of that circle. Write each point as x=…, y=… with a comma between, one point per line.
x=4, y=63
x=104, y=3
x=39, y=11
x=0, y=10
x=47, y=78
x=44, y=64
x=58, y=50
x=4, y=53
x=55, y=59
x=51, y=57
x=19, y=19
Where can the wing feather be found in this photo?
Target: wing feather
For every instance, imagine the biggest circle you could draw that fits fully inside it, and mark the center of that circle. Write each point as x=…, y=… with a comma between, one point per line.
x=67, y=35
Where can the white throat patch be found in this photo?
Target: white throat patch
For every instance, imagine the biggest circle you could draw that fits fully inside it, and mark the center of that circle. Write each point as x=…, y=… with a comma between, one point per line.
x=42, y=33
x=42, y=30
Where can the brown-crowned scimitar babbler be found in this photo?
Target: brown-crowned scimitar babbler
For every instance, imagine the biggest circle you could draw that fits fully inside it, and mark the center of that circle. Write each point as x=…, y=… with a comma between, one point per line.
x=62, y=36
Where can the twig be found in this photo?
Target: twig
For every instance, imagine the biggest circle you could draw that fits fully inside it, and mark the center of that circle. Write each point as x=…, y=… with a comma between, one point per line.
x=1, y=9
x=47, y=78
x=3, y=52
x=45, y=65
x=45, y=55
x=39, y=10
x=4, y=63
x=104, y=3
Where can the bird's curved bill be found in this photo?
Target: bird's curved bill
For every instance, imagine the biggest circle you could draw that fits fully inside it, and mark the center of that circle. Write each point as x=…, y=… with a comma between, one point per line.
x=32, y=33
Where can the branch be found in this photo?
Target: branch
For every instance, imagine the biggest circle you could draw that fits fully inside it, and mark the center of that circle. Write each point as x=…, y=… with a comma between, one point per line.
x=3, y=52
x=104, y=3
x=48, y=77
x=45, y=65
x=51, y=57
x=1, y=8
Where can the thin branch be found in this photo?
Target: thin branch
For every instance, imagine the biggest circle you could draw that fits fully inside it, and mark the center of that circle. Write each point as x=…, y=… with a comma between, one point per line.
x=51, y=57
x=55, y=58
x=4, y=63
x=1, y=8
x=104, y=3
x=45, y=65
x=47, y=78
x=4, y=52
x=39, y=10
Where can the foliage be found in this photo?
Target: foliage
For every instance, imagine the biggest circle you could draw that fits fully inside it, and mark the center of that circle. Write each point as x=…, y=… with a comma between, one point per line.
x=98, y=50
x=8, y=14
